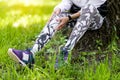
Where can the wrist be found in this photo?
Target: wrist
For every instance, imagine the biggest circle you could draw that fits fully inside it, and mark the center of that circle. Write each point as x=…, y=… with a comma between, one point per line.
x=69, y=17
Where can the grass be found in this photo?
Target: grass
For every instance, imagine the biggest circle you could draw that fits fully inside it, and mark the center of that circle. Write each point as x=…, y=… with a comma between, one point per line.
x=21, y=22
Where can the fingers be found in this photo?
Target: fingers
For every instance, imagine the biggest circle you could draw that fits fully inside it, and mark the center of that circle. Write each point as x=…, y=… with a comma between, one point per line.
x=60, y=25
x=62, y=21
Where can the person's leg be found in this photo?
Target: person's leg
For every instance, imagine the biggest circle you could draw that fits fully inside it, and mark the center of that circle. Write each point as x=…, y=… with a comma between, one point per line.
x=47, y=33
x=89, y=14
x=27, y=56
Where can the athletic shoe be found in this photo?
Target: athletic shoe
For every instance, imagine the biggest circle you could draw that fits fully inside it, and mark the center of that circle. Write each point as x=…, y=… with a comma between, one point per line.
x=24, y=57
x=62, y=57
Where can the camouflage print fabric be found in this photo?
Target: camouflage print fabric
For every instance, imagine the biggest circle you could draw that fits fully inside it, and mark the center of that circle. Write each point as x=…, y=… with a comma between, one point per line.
x=47, y=32
x=89, y=19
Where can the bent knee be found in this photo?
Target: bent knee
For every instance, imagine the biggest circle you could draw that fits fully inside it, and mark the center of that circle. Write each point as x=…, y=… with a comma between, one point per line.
x=89, y=8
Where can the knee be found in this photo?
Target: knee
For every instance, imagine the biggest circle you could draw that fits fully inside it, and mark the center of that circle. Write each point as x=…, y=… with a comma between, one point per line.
x=89, y=8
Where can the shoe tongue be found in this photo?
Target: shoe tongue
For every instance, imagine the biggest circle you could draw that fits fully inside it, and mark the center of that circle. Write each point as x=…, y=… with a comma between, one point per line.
x=25, y=55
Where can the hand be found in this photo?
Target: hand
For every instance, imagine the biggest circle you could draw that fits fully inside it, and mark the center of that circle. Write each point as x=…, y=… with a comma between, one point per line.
x=57, y=11
x=62, y=21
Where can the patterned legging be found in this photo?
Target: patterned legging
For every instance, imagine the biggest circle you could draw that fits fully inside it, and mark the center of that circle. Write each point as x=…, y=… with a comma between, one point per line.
x=89, y=19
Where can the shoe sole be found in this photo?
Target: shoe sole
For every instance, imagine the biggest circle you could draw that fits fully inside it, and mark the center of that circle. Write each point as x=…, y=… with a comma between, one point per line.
x=14, y=57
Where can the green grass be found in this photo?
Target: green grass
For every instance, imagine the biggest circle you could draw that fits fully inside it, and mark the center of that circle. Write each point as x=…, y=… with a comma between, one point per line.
x=19, y=26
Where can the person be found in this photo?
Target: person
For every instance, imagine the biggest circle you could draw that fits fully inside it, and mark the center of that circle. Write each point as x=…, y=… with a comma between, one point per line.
x=82, y=14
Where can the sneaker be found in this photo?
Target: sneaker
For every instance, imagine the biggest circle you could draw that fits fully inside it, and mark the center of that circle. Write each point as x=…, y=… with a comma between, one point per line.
x=23, y=57
x=62, y=57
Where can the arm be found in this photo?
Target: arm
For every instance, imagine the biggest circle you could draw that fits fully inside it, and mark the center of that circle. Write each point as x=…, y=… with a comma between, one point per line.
x=75, y=15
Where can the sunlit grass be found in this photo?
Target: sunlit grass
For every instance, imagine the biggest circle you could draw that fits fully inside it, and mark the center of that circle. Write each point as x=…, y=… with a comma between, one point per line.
x=27, y=20
x=31, y=2
x=25, y=12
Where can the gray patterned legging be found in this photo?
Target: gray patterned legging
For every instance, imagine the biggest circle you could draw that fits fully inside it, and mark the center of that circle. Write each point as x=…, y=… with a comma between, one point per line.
x=89, y=19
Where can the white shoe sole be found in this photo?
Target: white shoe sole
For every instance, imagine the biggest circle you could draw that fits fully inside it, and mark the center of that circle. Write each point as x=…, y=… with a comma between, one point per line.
x=14, y=57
